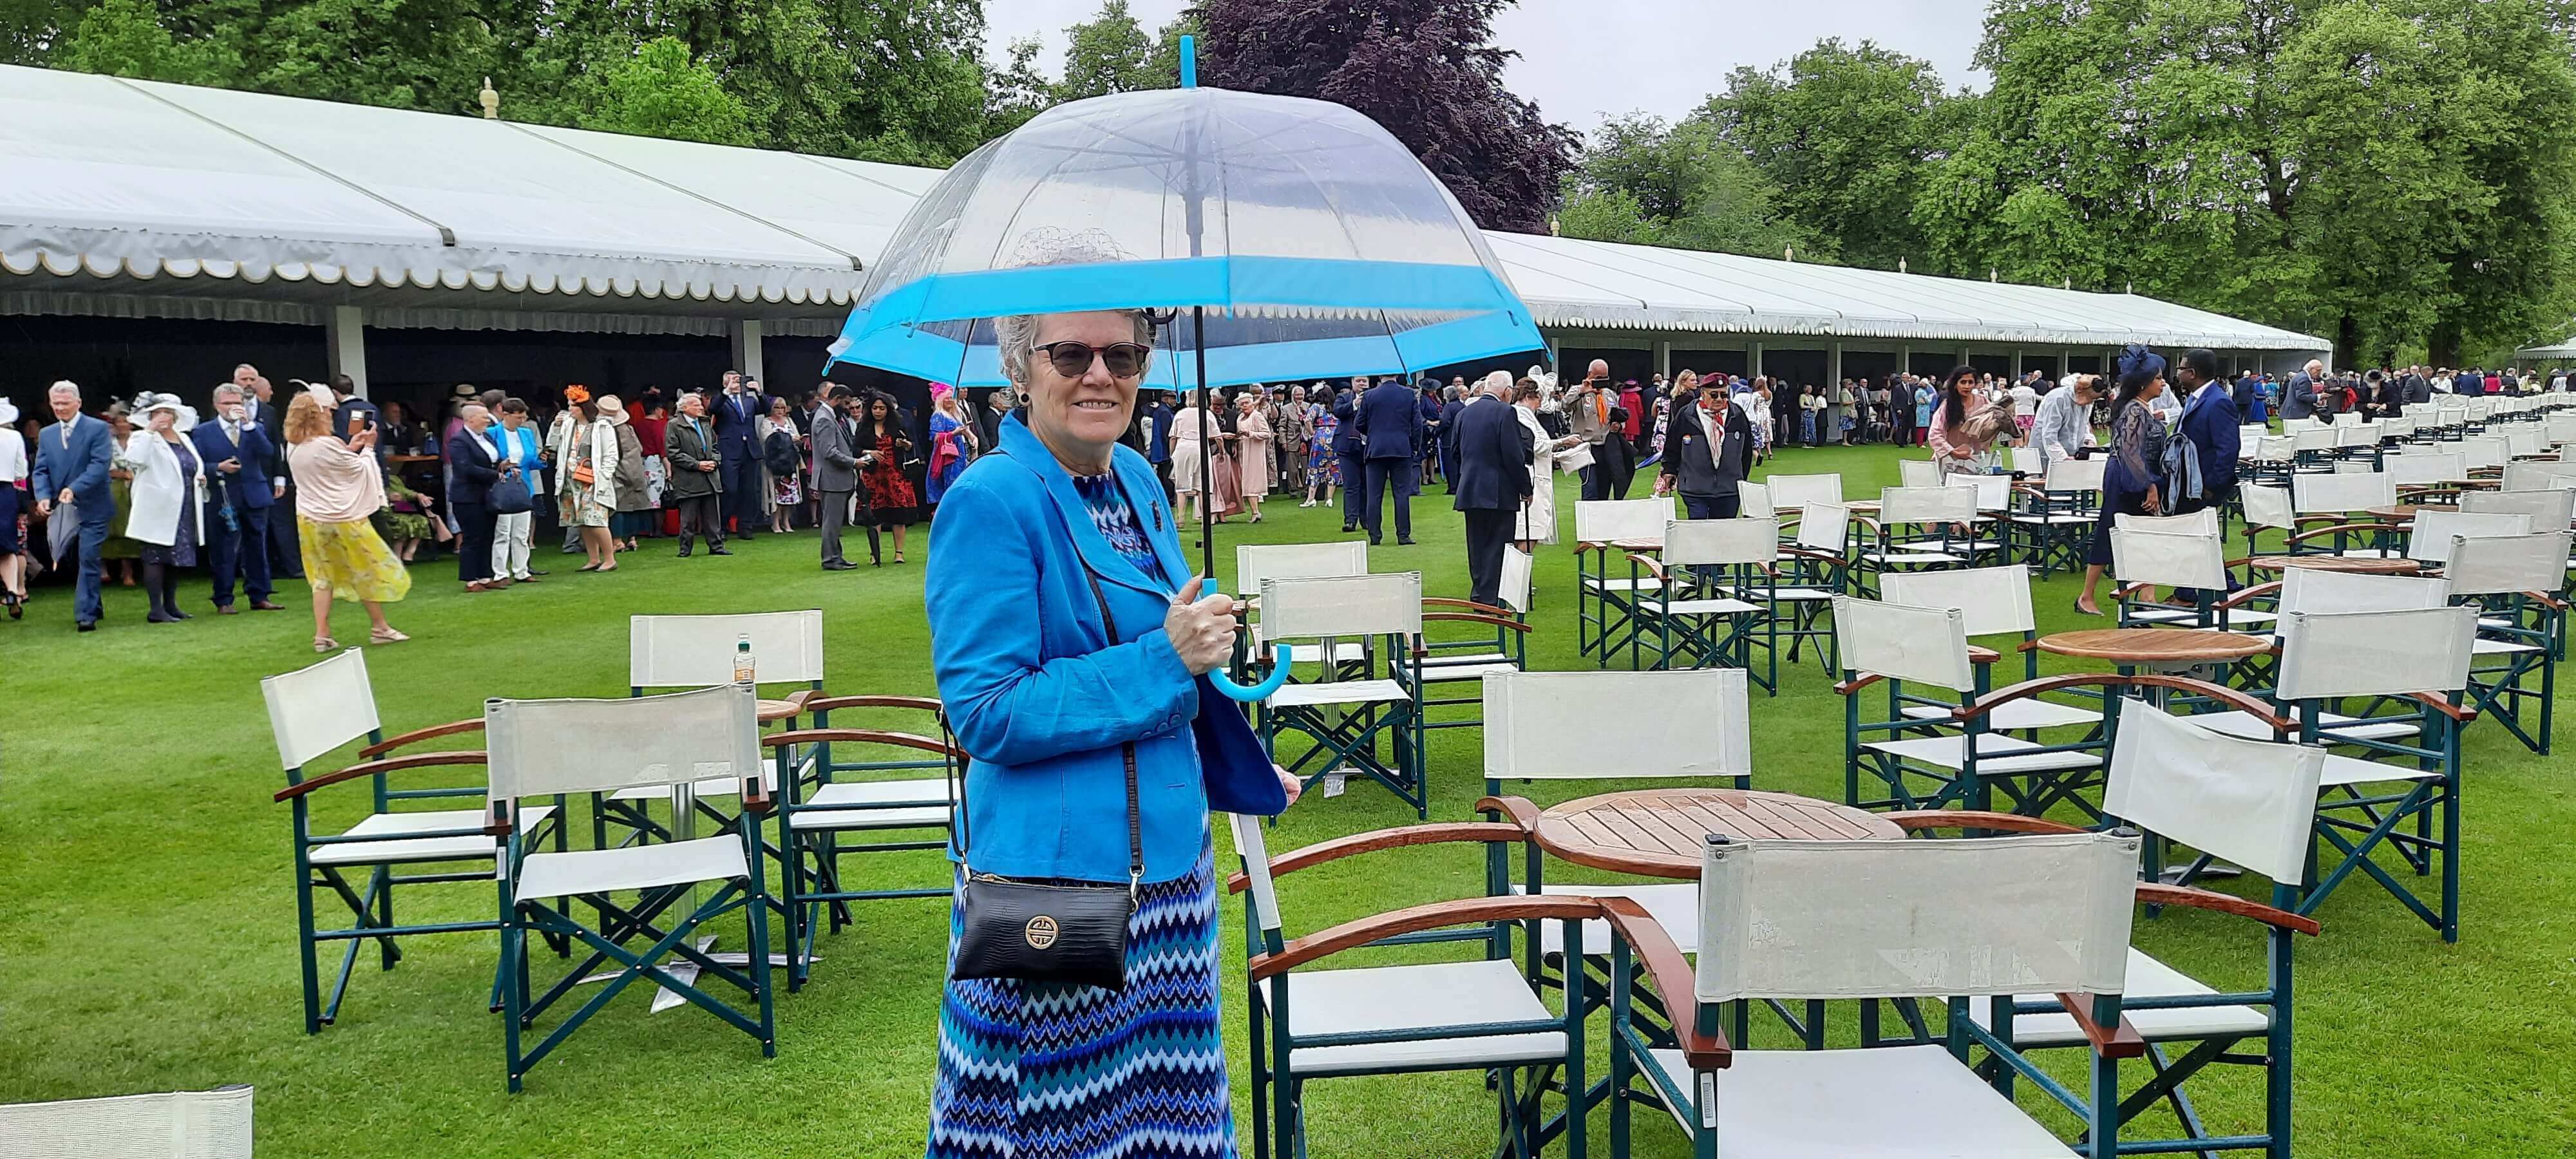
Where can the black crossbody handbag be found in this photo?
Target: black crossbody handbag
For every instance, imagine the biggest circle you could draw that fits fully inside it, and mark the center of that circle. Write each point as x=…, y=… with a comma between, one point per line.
x=1051, y=930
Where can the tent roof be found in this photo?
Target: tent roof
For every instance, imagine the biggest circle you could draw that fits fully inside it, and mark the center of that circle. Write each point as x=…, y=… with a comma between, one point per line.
x=183, y=191
x=2565, y=349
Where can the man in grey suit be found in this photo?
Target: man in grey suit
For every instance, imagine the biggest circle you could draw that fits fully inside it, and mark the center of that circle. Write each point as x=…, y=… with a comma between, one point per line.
x=836, y=476
x=2299, y=401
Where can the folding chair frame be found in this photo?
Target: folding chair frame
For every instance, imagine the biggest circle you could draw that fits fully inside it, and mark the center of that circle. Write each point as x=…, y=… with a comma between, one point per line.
x=802, y=891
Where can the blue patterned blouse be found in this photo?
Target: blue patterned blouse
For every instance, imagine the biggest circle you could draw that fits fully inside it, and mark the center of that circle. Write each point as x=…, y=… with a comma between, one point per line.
x=1116, y=518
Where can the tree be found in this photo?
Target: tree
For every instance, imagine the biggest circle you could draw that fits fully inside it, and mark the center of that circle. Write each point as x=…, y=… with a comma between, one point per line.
x=1108, y=53
x=1649, y=183
x=125, y=38
x=663, y=92
x=1424, y=69
x=1844, y=136
x=1016, y=92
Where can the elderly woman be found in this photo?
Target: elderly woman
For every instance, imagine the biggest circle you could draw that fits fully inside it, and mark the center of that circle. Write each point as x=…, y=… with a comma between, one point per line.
x=1252, y=436
x=169, y=501
x=337, y=487
x=1071, y=646
x=631, y=505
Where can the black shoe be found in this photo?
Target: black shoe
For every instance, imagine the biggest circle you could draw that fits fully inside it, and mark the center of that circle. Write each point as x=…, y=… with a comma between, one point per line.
x=1404, y=543
x=1373, y=542
x=718, y=549
x=1348, y=528
x=839, y=565
x=86, y=625
x=542, y=571
x=160, y=618
x=685, y=551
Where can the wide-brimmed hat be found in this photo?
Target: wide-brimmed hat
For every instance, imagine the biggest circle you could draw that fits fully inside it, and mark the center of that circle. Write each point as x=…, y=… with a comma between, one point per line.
x=609, y=405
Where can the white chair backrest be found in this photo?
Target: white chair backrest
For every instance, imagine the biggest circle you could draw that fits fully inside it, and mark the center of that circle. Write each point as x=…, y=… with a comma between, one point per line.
x=2534, y=476
x=2482, y=407
x=1898, y=506
x=2076, y=474
x=2247, y=435
x=1996, y=600
x=2355, y=467
x=2275, y=448
x=2326, y=655
x=2357, y=435
x=1255, y=852
x=2347, y=418
x=2488, y=451
x=2496, y=564
x=1994, y=492
x=2029, y=461
x=1904, y=642
x=1255, y=562
x=2400, y=426
x=1825, y=527
x=542, y=747
x=1917, y=473
x=1621, y=520
x=2434, y=531
x=2525, y=440
x=2313, y=439
x=2154, y=557
x=2267, y=506
x=2309, y=589
x=1753, y=500
x=1916, y=919
x=1557, y=725
x=1714, y=542
x=316, y=709
x=1795, y=492
x=1350, y=605
x=2421, y=468
x=1515, y=591
x=696, y=651
x=212, y=1124
x=2548, y=507
x=2560, y=428
x=2339, y=493
x=2251, y=802
x=2201, y=522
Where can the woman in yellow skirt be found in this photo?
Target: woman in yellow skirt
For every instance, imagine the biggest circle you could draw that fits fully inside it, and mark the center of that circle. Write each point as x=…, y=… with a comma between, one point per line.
x=337, y=489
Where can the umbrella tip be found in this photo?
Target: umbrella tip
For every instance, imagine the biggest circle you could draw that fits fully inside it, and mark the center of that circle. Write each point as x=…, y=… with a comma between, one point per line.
x=1189, y=61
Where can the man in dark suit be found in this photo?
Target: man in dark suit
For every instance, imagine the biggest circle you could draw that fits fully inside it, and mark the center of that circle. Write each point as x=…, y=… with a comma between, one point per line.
x=2209, y=422
x=240, y=464
x=259, y=409
x=1487, y=453
x=1352, y=450
x=737, y=412
x=2243, y=392
x=2299, y=401
x=697, y=483
x=473, y=465
x=1708, y=449
x=836, y=477
x=2470, y=381
x=72, y=458
x=1390, y=428
x=1449, y=412
x=1158, y=440
x=2419, y=386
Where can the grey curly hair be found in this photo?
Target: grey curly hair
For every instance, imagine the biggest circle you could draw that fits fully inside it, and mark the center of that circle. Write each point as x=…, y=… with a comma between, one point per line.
x=1016, y=334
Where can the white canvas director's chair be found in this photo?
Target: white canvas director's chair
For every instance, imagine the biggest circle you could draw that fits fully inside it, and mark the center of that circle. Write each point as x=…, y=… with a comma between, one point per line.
x=1351, y=717
x=667, y=743
x=1605, y=600
x=1904, y=760
x=212, y=1124
x=1866, y=920
x=1258, y=563
x=666, y=652
x=315, y=711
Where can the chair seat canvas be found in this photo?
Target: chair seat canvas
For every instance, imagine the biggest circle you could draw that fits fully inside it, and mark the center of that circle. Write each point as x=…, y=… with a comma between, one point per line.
x=2148, y=978
x=1891, y=1102
x=1338, y=692
x=633, y=867
x=1994, y=754
x=711, y=787
x=2018, y=715
x=394, y=848
x=2341, y=770
x=2330, y=727
x=1449, y=671
x=1787, y=594
x=1424, y=997
x=834, y=798
x=1718, y=606
x=1675, y=907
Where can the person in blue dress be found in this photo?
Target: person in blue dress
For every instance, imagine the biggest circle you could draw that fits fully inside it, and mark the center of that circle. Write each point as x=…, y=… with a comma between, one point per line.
x=2133, y=483
x=1071, y=644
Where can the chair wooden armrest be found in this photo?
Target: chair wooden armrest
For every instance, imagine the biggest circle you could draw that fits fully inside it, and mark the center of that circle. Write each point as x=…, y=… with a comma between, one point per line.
x=1818, y=556
x=387, y=765
x=2156, y=893
x=1918, y=820
x=861, y=736
x=1467, y=606
x=2230, y=697
x=1436, y=833
x=801, y=699
x=1435, y=915
x=1520, y=809
x=1476, y=618
x=1856, y=683
x=1671, y=975
x=498, y=820
x=757, y=798
x=2126, y=590
x=831, y=703
x=2122, y=1041
x=417, y=735
x=2547, y=600
x=2299, y=521
x=2371, y=525
x=1653, y=566
x=1980, y=654
x=2243, y=596
x=2442, y=704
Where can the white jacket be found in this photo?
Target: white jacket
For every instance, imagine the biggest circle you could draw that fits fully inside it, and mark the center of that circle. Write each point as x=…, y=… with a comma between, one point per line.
x=159, y=489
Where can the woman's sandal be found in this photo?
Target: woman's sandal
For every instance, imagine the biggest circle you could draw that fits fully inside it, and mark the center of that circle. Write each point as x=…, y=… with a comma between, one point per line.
x=325, y=644
x=386, y=636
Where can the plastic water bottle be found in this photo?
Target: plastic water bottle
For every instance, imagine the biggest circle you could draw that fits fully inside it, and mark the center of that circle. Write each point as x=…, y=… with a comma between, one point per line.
x=743, y=665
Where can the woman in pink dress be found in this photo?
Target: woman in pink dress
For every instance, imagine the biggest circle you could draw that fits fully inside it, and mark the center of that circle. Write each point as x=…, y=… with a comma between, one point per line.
x=1252, y=438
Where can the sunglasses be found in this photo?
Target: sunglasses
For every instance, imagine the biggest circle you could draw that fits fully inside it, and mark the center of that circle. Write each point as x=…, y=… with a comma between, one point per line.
x=1073, y=359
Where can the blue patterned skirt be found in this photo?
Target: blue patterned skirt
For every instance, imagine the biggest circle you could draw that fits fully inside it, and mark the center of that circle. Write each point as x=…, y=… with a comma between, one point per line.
x=1039, y=1071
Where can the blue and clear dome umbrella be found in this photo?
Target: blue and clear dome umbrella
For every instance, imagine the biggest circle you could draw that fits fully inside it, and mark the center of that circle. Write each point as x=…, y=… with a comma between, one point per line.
x=1284, y=238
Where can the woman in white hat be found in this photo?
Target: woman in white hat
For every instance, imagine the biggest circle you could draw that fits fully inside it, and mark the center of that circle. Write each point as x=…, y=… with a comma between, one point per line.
x=13, y=550
x=169, y=512
x=631, y=502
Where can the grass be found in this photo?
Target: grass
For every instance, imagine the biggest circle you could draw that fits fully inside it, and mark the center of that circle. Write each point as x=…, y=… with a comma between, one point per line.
x=147, y=940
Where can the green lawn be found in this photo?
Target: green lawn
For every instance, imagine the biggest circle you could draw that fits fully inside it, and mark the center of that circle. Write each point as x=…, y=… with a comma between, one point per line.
x=147, y=938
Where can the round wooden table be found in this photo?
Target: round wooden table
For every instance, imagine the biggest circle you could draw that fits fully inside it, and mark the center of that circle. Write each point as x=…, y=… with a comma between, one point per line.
x=2356, y=564
x=2155, y=647
x=1664, y=832
x=777, y=710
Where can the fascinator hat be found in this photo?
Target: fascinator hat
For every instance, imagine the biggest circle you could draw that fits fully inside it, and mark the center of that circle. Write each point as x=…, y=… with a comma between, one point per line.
x=2139, y=362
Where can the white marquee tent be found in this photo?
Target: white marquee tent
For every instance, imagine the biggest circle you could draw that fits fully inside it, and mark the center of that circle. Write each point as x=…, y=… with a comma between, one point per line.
x=137, y=199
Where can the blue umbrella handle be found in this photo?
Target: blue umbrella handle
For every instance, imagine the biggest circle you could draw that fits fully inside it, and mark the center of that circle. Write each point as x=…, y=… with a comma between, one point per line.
x=1277, y=679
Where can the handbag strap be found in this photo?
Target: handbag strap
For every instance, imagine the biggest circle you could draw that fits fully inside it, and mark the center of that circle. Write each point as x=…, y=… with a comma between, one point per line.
x=1126, y=752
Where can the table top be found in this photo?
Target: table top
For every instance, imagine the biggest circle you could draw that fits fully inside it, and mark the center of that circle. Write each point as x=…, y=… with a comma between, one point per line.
x=2155, y=645
x=1663, y=832
x=774, y=710
x=2358, y=564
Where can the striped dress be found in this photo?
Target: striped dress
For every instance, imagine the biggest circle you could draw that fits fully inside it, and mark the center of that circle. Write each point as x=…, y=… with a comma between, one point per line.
x=1045, y=1071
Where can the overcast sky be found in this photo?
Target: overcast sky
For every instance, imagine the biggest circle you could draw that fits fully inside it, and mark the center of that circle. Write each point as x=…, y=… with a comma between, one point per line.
x=1583, y=60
